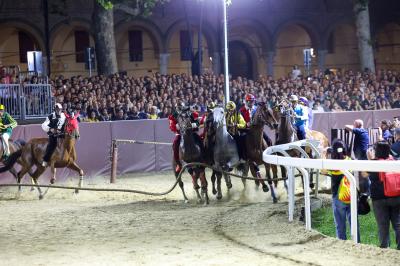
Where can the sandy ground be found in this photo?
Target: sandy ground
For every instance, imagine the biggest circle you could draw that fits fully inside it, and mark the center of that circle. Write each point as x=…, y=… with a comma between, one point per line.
x=97, y=228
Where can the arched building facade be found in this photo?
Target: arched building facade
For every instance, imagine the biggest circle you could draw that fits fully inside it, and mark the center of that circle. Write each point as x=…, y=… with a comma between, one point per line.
x=265, y=37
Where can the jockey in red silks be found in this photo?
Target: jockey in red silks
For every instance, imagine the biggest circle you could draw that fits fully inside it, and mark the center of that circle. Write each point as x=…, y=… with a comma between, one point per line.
x=174, y=127
x=71, y=125
x=248, y=110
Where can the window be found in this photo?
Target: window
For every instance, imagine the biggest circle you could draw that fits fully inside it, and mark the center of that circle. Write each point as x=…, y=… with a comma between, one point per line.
x=331, y=43
x=186, y=51
x=135, y=46
x=26, y=43
x=81, y=43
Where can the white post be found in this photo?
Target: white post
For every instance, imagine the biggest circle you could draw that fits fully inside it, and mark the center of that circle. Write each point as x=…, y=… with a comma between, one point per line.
x=353, y=206
x=307, y=203
x=226, y=73
x=291, y=189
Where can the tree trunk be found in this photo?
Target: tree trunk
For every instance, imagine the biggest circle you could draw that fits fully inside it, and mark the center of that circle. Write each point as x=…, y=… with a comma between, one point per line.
x=103, y=30
x=363, y=30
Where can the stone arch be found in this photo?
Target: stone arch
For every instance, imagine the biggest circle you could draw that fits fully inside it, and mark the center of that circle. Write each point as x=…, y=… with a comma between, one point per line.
x=208, y=32
x=341, y=45
x=62, y=45
x=387, y=54
x=261, y=33
x=151, y=29
x=153, y=45
x=9, y=39
x=290, y=39
x=241, y=60
x=172, y=45
x=306, y=25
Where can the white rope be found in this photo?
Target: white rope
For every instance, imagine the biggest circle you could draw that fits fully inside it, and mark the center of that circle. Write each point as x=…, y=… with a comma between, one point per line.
x=132, y=141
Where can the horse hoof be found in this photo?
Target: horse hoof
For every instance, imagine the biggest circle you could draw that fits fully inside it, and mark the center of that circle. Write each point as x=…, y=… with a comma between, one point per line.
x=265, y=188
x=214, y=191
x=312, y=185
x=52, y=181
x=41, y=197
x=76, y=191
x=186, y=201
x=219, y=197
x=257, y=183
x=275, y=200
x=229, y=185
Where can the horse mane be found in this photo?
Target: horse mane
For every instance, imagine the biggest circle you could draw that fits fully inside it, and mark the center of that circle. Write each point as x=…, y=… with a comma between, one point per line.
x=218, y=117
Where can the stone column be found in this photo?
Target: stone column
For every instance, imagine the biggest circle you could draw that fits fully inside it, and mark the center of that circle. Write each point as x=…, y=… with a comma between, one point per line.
x=164, y=63
x=321, y=55
x=270, y=63
x=216, y=63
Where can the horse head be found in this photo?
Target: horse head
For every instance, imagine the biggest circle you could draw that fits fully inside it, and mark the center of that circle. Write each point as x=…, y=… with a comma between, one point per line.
x=265, y=116
x=219, y=117
x=286, y=116
x=184, y=121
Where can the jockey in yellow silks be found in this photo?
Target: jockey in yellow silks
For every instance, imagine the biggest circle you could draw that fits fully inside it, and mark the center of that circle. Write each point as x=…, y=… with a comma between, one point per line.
x=7, y=124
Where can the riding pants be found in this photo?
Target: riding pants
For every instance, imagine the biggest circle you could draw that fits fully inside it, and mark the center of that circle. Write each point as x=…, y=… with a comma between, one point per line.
x=5, y=136
x=240, y=145
x=301, y=132
x=51, y=147
x=175, y=147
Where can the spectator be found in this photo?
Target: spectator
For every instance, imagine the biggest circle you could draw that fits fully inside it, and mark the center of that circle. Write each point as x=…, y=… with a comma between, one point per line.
x=341, y=210
x=92, y=117
x=395, y=148
x=386, y=135
x=105, y=116
x=386, y=209
x=153, y=113
x=361, y=139
x=120, y=115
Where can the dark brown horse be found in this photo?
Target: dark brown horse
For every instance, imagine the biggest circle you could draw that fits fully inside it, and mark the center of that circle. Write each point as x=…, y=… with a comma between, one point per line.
x=191, y=150
x=31, y=154
x=255, y=145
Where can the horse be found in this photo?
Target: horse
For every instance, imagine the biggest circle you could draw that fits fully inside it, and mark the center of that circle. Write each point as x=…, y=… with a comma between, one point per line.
x=31, y=154
x=255, y=146
x=191, y=150
x=222, y=151
x=287, y=134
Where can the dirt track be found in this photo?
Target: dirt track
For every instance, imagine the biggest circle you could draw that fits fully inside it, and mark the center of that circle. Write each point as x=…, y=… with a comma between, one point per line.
x=127, y=229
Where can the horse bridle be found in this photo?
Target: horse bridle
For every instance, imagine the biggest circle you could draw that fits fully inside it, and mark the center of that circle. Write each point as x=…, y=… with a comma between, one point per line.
x=264, y=115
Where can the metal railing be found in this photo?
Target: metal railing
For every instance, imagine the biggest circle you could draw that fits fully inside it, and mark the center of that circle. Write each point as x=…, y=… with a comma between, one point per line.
x=27, y=101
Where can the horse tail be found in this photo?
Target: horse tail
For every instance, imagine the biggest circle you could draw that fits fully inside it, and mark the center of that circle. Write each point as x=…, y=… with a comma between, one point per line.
x=9, y=163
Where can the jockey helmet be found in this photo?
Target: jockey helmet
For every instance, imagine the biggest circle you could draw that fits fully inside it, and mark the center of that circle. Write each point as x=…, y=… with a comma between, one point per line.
x=58, y=105
x=250, y=97
x=293, y=98
x=211, y=106
x=304, y=100
x=230, y=106
x=2, y=107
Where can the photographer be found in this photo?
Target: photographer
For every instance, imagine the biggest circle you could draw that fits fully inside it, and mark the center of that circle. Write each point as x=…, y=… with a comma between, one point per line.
x=386, y=209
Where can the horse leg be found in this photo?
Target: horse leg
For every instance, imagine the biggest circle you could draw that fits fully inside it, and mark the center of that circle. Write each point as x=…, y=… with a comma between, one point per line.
x=244, y=169
x=284, y=175
x=38, y=172
x=228, y=182
x=204, y=184
x=74, y=166
x=219, y=191
x=274, y=169
x=260, y=179
x=196, y=186
x=273, y=195
x=180, y=182
x=213, y=179
x=20, y=175
x=53, y=175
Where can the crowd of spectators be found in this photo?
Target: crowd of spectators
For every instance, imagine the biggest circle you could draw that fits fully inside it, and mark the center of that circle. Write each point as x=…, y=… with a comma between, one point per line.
x=120, y=97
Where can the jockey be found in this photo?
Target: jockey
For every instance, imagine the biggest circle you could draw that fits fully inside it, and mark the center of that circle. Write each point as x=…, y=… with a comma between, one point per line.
x=174, y=127
x=248, y=110
x=203, y=119
x=301, y=113
x=7, y=124
x=71, y=124
x=304, y=102
x=235, y=122
x=53, y=125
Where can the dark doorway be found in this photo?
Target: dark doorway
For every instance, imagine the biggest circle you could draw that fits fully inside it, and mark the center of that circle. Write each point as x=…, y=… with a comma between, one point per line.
x=240, y=62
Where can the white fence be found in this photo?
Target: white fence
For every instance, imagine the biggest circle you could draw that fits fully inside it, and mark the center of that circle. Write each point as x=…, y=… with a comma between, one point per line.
x=344, y=165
